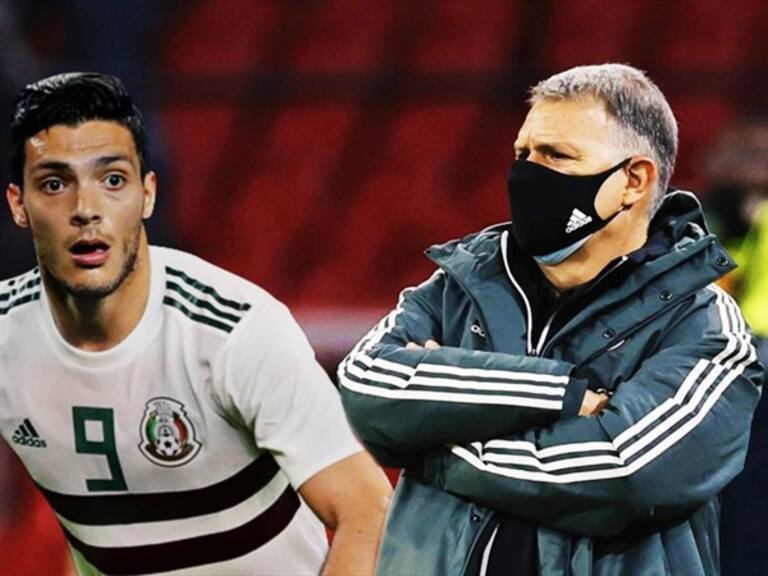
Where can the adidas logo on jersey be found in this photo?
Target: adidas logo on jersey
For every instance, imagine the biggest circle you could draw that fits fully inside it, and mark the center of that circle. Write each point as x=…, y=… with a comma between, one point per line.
x=26, y=435
x=577, y=220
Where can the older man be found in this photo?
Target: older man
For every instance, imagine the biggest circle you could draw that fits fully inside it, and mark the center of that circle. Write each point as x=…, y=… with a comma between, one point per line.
x=569, y=392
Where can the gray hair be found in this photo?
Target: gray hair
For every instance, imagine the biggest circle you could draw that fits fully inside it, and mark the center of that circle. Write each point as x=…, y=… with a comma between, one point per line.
x=642, y=114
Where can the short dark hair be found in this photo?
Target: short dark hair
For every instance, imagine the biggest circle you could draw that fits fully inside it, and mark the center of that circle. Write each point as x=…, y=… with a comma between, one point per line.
x=71, y=99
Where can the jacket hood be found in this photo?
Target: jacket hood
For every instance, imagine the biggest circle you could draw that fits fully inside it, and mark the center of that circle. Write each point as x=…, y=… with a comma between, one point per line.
x=680, y=215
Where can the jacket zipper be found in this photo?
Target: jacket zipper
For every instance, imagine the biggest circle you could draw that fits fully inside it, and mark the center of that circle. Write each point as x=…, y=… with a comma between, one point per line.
x=541, y=344
x=541, y=348
x=528, y=312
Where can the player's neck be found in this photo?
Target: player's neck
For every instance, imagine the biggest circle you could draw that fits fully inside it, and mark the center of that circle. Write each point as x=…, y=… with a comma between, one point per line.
x=100, y=324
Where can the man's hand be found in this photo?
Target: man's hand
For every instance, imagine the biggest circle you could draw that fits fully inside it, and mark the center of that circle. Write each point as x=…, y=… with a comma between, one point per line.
x=350, y=497
x=429, y=345
x=593, y=403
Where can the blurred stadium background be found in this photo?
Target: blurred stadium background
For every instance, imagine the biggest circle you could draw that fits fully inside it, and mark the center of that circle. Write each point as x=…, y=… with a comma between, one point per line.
x=317, y=147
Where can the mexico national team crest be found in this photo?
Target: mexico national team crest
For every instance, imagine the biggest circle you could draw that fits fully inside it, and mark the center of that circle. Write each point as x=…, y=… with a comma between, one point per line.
x=167, y=435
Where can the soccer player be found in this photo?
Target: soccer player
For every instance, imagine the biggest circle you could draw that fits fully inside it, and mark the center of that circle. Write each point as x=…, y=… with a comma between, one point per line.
x=172, y=413
x=569, y=392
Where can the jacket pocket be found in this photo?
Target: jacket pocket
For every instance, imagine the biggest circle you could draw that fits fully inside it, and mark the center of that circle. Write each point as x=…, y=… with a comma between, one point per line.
x=429, y=531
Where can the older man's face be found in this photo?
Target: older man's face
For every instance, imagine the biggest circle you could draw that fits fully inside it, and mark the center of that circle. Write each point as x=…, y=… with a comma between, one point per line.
x=574, y=137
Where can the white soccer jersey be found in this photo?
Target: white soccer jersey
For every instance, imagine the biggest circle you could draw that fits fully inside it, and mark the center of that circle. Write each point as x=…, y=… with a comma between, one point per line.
x=179, y=450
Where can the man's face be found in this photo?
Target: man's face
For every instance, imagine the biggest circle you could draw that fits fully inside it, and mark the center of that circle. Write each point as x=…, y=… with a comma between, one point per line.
x=574, y=137
x=84, y=201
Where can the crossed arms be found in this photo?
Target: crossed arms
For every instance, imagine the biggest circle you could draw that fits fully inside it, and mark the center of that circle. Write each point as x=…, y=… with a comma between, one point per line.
x=503, y=430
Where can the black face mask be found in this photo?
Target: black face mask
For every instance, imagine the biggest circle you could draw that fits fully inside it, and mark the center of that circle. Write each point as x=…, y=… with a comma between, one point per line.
x=551, y=210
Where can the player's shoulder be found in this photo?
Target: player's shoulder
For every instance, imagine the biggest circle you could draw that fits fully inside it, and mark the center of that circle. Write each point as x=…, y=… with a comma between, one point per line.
x=207, y=293
x=19, y=290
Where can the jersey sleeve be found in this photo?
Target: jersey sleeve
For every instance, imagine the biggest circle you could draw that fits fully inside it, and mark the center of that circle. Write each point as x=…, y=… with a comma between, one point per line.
x=670, y=438
x=270, y=381
x=403, y=401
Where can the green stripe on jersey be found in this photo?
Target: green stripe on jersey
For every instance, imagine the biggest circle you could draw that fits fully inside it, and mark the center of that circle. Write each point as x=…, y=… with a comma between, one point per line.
x=200, y=303
x=198, y=317
x=11, y=293
x=19, y=301
x=238, y=306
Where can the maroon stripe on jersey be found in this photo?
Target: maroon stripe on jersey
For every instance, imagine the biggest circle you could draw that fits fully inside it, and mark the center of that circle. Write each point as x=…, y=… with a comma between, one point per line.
x=159, y=506
x=180, y=554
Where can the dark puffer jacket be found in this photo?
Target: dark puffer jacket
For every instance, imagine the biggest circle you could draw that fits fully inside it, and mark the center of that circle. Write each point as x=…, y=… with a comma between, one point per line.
x=488, y=423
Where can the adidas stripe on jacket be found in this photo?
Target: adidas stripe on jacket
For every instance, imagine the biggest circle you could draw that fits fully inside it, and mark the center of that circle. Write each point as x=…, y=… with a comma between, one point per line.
x=482, y=427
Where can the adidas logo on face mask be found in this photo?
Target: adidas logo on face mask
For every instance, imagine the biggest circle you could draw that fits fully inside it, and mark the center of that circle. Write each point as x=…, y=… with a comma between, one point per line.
x=577, y=220
x=26, y=435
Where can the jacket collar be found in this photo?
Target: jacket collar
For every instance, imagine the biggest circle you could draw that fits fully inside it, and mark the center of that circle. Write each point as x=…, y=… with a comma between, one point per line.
x=695, y=260
x=475, y=262
x=473, y=258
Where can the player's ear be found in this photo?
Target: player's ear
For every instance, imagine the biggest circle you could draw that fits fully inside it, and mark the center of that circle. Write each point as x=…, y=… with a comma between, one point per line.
x=15, y=199
x=150, y=191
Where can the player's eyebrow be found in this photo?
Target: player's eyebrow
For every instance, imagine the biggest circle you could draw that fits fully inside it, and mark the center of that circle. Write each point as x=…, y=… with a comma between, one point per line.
x=53, y=165
x=106, y=160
